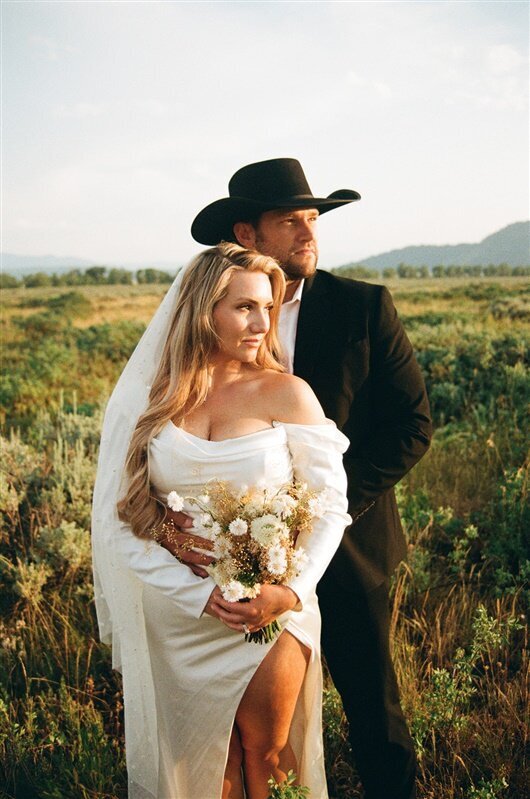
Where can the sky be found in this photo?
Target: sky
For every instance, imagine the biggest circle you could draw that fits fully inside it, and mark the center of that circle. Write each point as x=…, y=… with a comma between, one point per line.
x=122, y=120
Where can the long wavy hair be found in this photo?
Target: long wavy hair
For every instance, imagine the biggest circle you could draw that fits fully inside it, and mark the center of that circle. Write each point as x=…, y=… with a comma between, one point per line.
x=181, y=381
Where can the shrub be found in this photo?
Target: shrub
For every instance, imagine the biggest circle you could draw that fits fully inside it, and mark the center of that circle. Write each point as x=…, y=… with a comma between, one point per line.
x=8, y=281
x=115, y=342
x=72, y=304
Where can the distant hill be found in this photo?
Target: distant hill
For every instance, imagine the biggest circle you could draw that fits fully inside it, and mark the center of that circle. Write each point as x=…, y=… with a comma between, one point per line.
x=511, y=245
x=26, y=264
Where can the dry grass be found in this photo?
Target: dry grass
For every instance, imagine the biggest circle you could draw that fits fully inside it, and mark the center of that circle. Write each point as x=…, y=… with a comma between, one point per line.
x=460, y=648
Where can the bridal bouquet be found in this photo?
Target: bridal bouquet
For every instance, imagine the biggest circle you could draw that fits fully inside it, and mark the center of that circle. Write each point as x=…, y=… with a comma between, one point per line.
x=254, y=532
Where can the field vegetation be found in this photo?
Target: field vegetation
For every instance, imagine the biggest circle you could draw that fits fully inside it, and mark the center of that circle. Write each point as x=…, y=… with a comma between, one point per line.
x=460, y=638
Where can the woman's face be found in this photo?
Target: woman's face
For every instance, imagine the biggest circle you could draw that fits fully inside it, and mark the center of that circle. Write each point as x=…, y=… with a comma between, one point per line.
x=241, y=318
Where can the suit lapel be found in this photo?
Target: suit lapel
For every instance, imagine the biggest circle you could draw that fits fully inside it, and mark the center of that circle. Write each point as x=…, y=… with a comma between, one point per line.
x=308, y=343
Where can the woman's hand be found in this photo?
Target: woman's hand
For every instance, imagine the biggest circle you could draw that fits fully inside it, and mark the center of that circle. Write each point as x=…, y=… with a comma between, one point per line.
x=272, y=601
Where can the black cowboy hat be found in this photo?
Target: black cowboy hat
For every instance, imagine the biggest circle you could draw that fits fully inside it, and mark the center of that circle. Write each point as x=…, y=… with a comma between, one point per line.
x=265, y=186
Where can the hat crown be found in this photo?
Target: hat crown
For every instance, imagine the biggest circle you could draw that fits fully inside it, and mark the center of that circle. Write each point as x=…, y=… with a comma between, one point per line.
x=267, y=181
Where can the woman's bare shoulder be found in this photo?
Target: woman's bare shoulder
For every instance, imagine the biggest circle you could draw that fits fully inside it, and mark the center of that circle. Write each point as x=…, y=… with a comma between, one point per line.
x=290, y=399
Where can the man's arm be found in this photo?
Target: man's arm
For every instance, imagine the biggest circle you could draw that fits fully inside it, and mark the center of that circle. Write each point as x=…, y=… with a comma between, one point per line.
x=401, y=429
x=181, y=543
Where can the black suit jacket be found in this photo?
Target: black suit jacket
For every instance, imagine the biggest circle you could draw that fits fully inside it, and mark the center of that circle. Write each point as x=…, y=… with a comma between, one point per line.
x=353, y=351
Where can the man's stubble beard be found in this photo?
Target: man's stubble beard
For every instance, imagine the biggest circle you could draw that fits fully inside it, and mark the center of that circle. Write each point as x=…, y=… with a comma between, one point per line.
x=293, y=270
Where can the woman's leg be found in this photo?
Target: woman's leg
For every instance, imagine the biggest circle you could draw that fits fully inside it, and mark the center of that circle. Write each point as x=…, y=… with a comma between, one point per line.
x=233, y=779
x=265, y=713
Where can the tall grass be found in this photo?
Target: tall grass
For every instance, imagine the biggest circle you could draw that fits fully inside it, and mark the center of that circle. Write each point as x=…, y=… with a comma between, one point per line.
x=460, y=642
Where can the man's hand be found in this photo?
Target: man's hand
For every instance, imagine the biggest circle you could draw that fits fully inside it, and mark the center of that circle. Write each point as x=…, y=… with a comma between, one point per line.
x=272, y=601
x=182, y=543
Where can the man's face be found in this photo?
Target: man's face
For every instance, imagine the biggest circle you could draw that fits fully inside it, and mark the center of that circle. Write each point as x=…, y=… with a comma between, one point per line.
x=289, y=236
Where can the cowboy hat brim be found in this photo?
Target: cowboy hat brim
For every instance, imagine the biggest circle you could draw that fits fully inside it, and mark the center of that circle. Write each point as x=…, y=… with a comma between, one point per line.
x=215, y=223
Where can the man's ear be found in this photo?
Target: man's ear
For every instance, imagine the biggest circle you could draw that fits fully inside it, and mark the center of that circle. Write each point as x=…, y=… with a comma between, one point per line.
x=245, y=234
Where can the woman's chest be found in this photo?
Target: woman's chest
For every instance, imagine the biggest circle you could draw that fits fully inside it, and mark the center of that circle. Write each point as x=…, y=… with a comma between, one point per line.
x=240, y=461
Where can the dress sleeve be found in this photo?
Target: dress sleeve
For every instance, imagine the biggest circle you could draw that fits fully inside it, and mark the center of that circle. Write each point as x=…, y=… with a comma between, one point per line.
x=122, y=561
x=316, y=452
x=157, y=567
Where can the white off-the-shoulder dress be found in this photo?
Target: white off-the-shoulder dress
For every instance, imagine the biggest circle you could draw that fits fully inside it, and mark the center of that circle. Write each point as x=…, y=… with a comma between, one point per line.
x=201, y=668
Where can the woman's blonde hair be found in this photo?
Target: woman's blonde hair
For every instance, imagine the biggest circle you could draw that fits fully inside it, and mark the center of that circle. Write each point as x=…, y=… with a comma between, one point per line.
x=181, y=381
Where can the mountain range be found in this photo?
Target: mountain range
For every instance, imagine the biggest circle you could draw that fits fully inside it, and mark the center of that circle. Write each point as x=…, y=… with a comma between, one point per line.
x=510, y=245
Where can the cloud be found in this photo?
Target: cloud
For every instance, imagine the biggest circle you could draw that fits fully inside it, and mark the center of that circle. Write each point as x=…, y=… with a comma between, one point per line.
x=489, y=77
x=498, y=95
x=39, y=225
x=379, y=87
x=49, y=49
x=80, y=110
x=355, y=79
x=154, y=108
x=383, y=89
x=503, y=59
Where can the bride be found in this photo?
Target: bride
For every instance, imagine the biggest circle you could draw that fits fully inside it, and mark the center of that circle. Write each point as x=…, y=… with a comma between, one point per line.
x=204, y=397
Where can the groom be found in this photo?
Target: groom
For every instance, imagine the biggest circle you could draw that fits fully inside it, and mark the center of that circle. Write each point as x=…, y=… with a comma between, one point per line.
x=344, y=338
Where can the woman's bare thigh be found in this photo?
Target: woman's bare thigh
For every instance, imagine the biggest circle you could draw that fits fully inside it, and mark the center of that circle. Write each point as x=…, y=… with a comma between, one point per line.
x=266, y=710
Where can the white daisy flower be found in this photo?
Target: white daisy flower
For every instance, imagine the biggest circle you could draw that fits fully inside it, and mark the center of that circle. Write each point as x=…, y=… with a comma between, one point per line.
x=175, y=501
x=222, y=548
x=316, y=506
x=233, y=591
x=277, y=560
x=238, y=526
x=202, y=525
x=299, y=559
x=283, y=505
x=215, y=529
x=255, y=504
x=267, y=529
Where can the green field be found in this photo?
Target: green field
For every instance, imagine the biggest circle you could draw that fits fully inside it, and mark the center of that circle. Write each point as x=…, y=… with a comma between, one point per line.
x=460, y=638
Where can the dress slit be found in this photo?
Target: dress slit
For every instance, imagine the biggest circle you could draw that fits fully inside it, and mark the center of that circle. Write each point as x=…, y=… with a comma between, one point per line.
x=251, y=677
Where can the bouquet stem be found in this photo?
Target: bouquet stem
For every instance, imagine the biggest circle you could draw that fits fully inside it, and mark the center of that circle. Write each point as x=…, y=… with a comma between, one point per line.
x=265, y=634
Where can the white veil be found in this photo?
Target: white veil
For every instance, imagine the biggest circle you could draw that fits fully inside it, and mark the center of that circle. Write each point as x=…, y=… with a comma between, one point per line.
x=117, y=589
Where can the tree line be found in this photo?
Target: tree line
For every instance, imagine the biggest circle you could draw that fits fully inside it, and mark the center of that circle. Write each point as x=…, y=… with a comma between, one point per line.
x=93, y=276
x=101, y=275
x=407, y=271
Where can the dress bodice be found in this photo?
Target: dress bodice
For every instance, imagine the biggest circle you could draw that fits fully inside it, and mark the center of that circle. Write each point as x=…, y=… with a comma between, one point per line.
x=180, y=461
